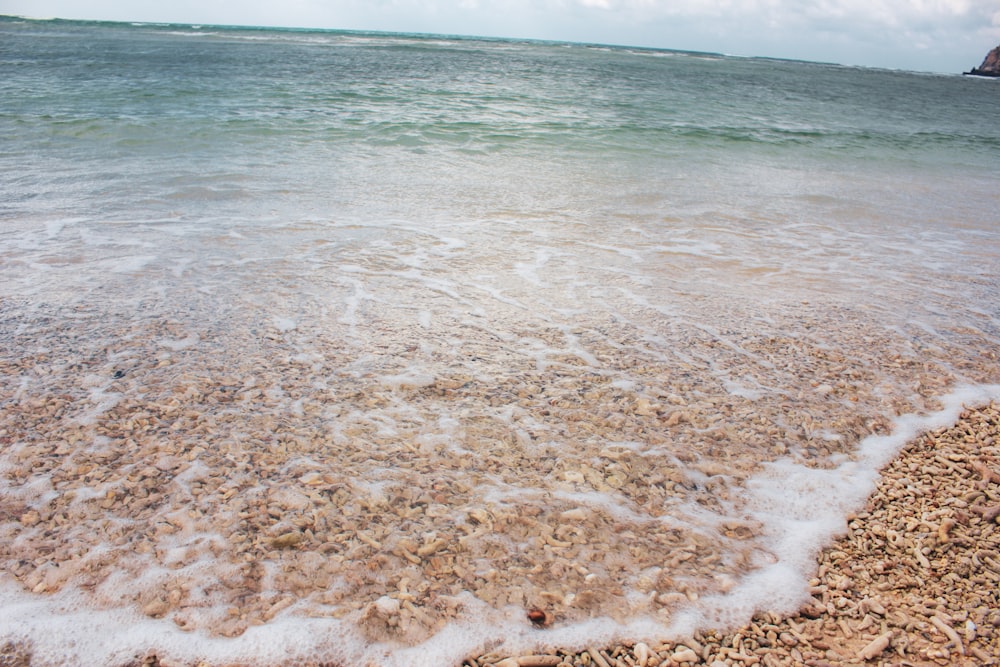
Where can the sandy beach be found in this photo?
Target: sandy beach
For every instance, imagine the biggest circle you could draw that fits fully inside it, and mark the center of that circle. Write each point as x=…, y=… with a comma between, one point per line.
x=912, y=582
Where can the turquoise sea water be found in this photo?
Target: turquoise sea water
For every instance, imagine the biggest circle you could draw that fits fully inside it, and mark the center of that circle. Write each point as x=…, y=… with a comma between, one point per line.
x=469, y=314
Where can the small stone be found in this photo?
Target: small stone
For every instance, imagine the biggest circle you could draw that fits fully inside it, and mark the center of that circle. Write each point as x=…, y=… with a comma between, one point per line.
x=530, y=661
x=287, y=540
x=641, y=653
x=876, y=647
x=156, y=608
x=685, y=655
x=644, y=408
x=30, y=518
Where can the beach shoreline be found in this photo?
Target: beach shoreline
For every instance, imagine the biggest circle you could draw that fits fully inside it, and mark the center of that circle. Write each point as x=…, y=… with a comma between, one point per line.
x=158, y=449
x=912, y=582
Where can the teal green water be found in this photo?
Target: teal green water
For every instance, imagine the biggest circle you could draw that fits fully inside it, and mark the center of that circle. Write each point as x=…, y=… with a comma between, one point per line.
x=368, y=286
x=146, y=107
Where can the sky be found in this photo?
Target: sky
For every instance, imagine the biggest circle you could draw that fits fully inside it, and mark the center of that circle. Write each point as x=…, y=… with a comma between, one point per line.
x=920, y=35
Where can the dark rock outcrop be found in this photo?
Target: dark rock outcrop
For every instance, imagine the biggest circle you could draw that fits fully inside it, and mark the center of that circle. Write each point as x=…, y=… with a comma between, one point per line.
x=990, y=66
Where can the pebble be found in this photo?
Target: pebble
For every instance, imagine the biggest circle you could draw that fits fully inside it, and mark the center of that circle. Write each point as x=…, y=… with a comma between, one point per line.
x=530, y=661
x=641, y=653
x=876, y=647
x=684, y=655
x=287, y=540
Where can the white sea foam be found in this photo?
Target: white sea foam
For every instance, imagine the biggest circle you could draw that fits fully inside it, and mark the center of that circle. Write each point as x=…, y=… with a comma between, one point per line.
x=284, y=324
x=412, y=379
x=737, y=389
x=181, y=344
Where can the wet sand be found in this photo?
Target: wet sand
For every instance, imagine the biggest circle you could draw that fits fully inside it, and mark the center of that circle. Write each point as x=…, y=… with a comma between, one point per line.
x=913, y=582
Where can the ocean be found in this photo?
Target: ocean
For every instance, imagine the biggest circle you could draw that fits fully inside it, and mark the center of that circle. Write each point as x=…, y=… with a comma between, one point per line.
x=355, y=348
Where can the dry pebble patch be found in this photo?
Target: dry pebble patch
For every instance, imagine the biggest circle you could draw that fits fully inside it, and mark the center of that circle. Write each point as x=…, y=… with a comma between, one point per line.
x=914, y=583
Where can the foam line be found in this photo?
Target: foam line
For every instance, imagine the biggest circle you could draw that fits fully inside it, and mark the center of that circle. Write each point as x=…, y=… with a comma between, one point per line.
x=804, y=508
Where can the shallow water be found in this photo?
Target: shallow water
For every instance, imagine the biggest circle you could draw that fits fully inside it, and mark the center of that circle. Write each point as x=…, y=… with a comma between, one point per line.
x=367, y=344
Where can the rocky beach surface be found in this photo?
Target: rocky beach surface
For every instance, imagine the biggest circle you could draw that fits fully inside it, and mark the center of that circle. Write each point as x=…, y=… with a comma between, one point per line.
x=213, y=483
x=913, y=582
